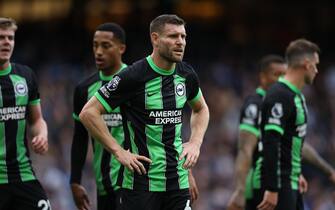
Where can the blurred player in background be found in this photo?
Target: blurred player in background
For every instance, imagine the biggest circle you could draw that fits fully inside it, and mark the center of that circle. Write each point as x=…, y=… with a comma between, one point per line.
x=283, y=129
x=271, y=67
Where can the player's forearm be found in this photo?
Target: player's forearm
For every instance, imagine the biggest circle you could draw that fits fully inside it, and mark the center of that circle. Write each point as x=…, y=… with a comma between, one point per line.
x=242, y=166
x=246, y=146
x=39, y=128
x=78, y=152
x=312, y=157
x=199, y=123
x=94, y=123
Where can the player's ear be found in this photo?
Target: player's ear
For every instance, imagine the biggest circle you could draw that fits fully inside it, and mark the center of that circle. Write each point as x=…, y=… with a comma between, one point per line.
x=154, y=38
x=122, y=48
x=306, y=64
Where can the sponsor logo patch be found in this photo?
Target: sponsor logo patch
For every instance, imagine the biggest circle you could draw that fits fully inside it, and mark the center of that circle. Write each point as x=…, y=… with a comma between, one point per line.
x=163, y=117
x=12, y=113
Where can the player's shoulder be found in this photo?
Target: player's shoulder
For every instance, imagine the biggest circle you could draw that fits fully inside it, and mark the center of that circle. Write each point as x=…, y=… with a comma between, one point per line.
x=22, y=70
x=279, y=91
x=253, y=99
x=87, y=81
x=137, y=66
x=135, y=69
x=183, y=68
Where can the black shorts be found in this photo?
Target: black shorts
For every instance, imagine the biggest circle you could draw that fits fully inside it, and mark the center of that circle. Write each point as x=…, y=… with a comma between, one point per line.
x=141, y=200
x=287, y=199
x=23, y=195
x=108, y=201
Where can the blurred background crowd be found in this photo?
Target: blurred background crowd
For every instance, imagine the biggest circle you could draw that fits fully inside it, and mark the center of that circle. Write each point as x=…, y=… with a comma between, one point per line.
x=224, y=42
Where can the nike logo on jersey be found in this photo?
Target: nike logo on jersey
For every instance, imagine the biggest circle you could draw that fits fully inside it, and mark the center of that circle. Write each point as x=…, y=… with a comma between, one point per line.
x=151, y=94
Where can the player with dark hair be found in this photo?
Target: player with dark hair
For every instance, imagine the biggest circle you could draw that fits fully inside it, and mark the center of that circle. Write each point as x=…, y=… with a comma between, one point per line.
x=19, y=106
x=151, y=94
x=109, y=44
x=271, y=67
x=283, y=129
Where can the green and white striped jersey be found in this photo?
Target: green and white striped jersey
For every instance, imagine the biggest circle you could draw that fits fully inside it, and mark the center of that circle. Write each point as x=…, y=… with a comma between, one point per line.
x=18, y=91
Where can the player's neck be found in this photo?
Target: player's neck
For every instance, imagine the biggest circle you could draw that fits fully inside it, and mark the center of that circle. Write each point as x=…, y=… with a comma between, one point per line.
x=162, y=63
x=112, y=70
x=4, y=65
x=295, y=77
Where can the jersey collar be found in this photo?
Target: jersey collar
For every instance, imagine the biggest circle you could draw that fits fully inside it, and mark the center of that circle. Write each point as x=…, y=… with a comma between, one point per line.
x=110, y=77
x=6, y=71
x=290, y=85
x=157, y=69
x=260, y=91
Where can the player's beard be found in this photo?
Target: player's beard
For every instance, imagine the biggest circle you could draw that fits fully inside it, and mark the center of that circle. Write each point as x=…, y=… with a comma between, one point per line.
x=168, y=55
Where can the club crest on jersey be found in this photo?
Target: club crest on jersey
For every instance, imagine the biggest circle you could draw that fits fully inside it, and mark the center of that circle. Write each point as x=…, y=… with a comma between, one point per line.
x=20, y=88
x=251, y=111
x=277, y=110
x=113, y=84
x=180, y=89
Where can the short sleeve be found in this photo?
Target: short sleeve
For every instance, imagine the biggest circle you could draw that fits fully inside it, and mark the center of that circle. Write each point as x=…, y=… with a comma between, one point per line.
x=34, y=95
x=116, y=91
x=193, y=87
x=276, y=112
x=249, y=118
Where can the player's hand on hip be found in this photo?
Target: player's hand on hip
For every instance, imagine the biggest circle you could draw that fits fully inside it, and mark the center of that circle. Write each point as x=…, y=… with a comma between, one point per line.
x=303, y=184
x=80, y=196
x=191, y=151
x=40, y=144
x=269, y=202
x=194, y=192
x=236, y=201
x=132, y=161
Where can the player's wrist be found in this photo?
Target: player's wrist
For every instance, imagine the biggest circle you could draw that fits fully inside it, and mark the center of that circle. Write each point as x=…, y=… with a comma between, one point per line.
x=117, y=151
x=196, y=141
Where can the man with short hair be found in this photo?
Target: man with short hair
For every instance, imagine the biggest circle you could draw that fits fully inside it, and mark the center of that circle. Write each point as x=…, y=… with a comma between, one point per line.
x=109, y=44
x=271, y=67
x=151, y=94
x=283, y=129
x=19, y=106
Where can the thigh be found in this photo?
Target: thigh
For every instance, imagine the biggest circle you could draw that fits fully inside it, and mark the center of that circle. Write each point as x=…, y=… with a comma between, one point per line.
x=30, y=196
x=5, y=195
x=139, y=200
x=287, y=199
x=177, y=200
